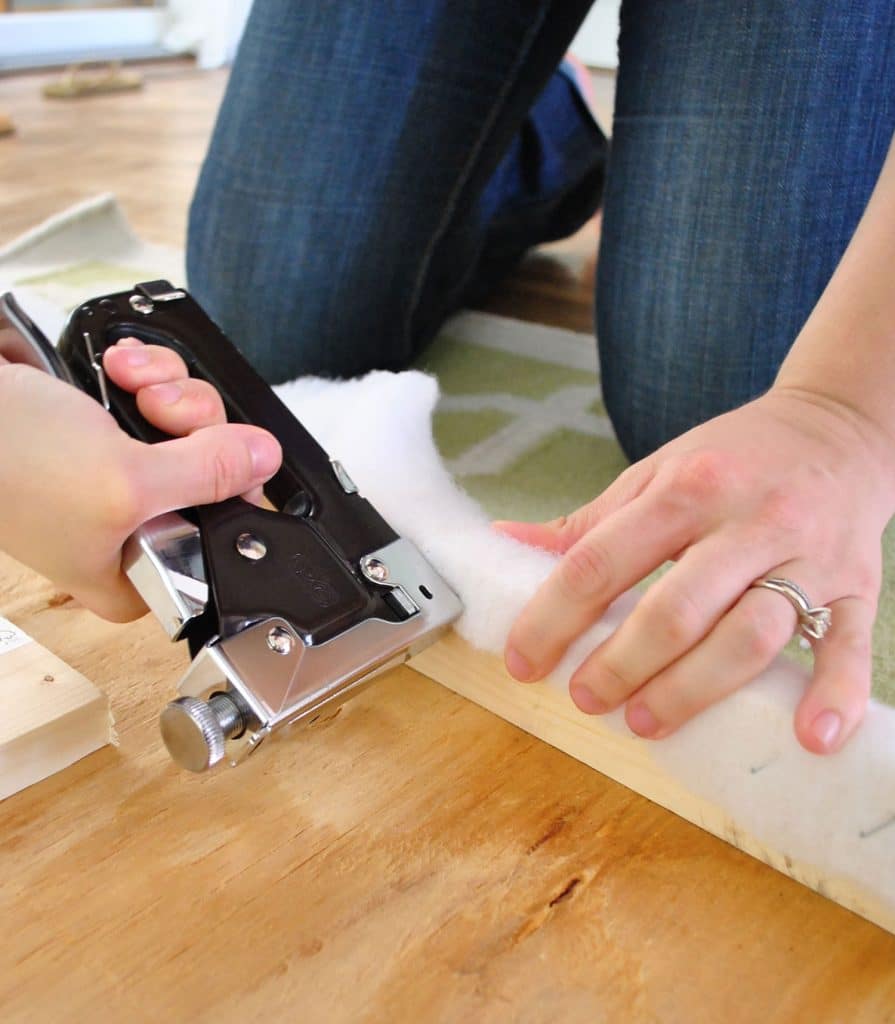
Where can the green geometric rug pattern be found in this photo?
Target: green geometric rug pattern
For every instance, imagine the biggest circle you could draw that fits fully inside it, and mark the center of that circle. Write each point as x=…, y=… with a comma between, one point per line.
x=520, y=422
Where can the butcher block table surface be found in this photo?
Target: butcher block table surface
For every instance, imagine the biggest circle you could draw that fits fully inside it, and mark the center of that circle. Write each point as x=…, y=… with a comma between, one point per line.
x=410, y=858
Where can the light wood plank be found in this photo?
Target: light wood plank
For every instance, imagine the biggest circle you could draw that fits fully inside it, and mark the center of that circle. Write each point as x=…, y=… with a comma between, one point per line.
x=547, y=714
x=52, y=715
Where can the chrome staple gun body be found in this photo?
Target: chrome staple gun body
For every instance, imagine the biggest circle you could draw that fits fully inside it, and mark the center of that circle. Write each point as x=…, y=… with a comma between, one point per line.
x=286, y=612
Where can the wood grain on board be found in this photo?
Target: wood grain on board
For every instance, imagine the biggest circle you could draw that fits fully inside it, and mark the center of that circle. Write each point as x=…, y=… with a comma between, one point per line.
x=548, y=714
x=52, y=716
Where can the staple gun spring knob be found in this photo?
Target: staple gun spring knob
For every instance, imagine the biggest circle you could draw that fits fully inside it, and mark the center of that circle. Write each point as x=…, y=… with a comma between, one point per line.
x=194, y=731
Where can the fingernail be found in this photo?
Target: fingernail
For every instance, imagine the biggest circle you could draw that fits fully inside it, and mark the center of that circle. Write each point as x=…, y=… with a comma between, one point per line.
x=508, y=528
x=129, y=343
x=168, y=393
x=517, y=666
x=138, y=357
x=587, y=701
x=642, y=721
x=265, y=454
x=826, y=727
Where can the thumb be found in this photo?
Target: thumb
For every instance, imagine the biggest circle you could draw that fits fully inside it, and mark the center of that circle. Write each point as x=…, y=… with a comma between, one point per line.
x=210, y=465
x=558, y=535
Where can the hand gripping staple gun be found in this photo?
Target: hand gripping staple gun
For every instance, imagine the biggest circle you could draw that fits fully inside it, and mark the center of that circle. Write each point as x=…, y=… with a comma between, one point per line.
x=285, y=612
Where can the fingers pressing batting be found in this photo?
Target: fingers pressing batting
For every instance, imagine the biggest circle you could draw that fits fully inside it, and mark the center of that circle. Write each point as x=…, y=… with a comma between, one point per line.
x=560, y=534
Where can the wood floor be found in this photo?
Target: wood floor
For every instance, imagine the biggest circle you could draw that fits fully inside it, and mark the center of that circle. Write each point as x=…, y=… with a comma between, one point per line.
x=412, y=858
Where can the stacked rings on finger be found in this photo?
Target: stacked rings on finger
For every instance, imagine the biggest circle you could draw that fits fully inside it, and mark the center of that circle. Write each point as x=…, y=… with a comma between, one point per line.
x=813, y=622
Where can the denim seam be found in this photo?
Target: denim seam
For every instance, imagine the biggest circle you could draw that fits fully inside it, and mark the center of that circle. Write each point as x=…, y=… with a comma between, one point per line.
x=451, y=204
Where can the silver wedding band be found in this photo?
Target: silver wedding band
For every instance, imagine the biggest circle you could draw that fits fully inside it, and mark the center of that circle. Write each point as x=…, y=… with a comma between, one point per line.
x=813, y=622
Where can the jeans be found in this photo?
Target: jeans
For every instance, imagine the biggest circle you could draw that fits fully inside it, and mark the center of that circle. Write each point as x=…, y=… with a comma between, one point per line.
x=375, y=166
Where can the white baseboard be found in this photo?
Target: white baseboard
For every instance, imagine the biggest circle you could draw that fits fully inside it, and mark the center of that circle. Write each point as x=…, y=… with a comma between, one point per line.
x=42, y=39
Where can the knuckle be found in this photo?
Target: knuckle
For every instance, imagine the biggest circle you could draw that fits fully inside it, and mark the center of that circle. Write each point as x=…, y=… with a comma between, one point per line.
x=867, y=579
x=565, y=528
x=855, y=643
x=762, y=632
x=783, y=510
x=704, y=475
x=203, y=390
x=224, y=474
x=585, y=570
x=204, y=398
x=612, y=684
x=572, y=527
x=673, y=703
x=685, y=704
x=169, y=360
x=579, y=521
x=675, y=617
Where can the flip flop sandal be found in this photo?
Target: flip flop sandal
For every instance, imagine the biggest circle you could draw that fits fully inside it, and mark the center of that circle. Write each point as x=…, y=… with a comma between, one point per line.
x=76, y=83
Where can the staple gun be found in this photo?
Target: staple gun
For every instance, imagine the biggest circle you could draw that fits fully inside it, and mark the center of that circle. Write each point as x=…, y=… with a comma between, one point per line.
x=285, y=611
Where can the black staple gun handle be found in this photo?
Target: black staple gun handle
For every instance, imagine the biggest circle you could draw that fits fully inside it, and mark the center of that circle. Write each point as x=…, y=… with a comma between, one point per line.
x=327, y=526
x=160, y=314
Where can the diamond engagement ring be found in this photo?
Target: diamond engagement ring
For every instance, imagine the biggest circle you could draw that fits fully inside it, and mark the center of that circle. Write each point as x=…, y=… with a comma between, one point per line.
x=813, y=622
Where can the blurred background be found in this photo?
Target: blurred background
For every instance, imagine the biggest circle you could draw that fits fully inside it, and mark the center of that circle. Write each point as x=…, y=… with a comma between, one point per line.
x=44, y=33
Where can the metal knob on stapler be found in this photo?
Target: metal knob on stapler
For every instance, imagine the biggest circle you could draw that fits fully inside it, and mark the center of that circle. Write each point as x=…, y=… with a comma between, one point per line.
x=195, y=731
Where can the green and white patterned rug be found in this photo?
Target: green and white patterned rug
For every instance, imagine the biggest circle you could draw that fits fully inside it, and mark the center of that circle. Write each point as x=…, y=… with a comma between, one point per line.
x=520, y=423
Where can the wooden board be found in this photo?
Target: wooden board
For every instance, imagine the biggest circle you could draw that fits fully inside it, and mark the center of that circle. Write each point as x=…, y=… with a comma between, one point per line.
x=547, y=714
x=52, y=715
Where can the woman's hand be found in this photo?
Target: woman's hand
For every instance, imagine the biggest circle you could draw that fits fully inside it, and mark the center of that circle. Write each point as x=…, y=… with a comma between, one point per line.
x=791, y=485
x=75, y=486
